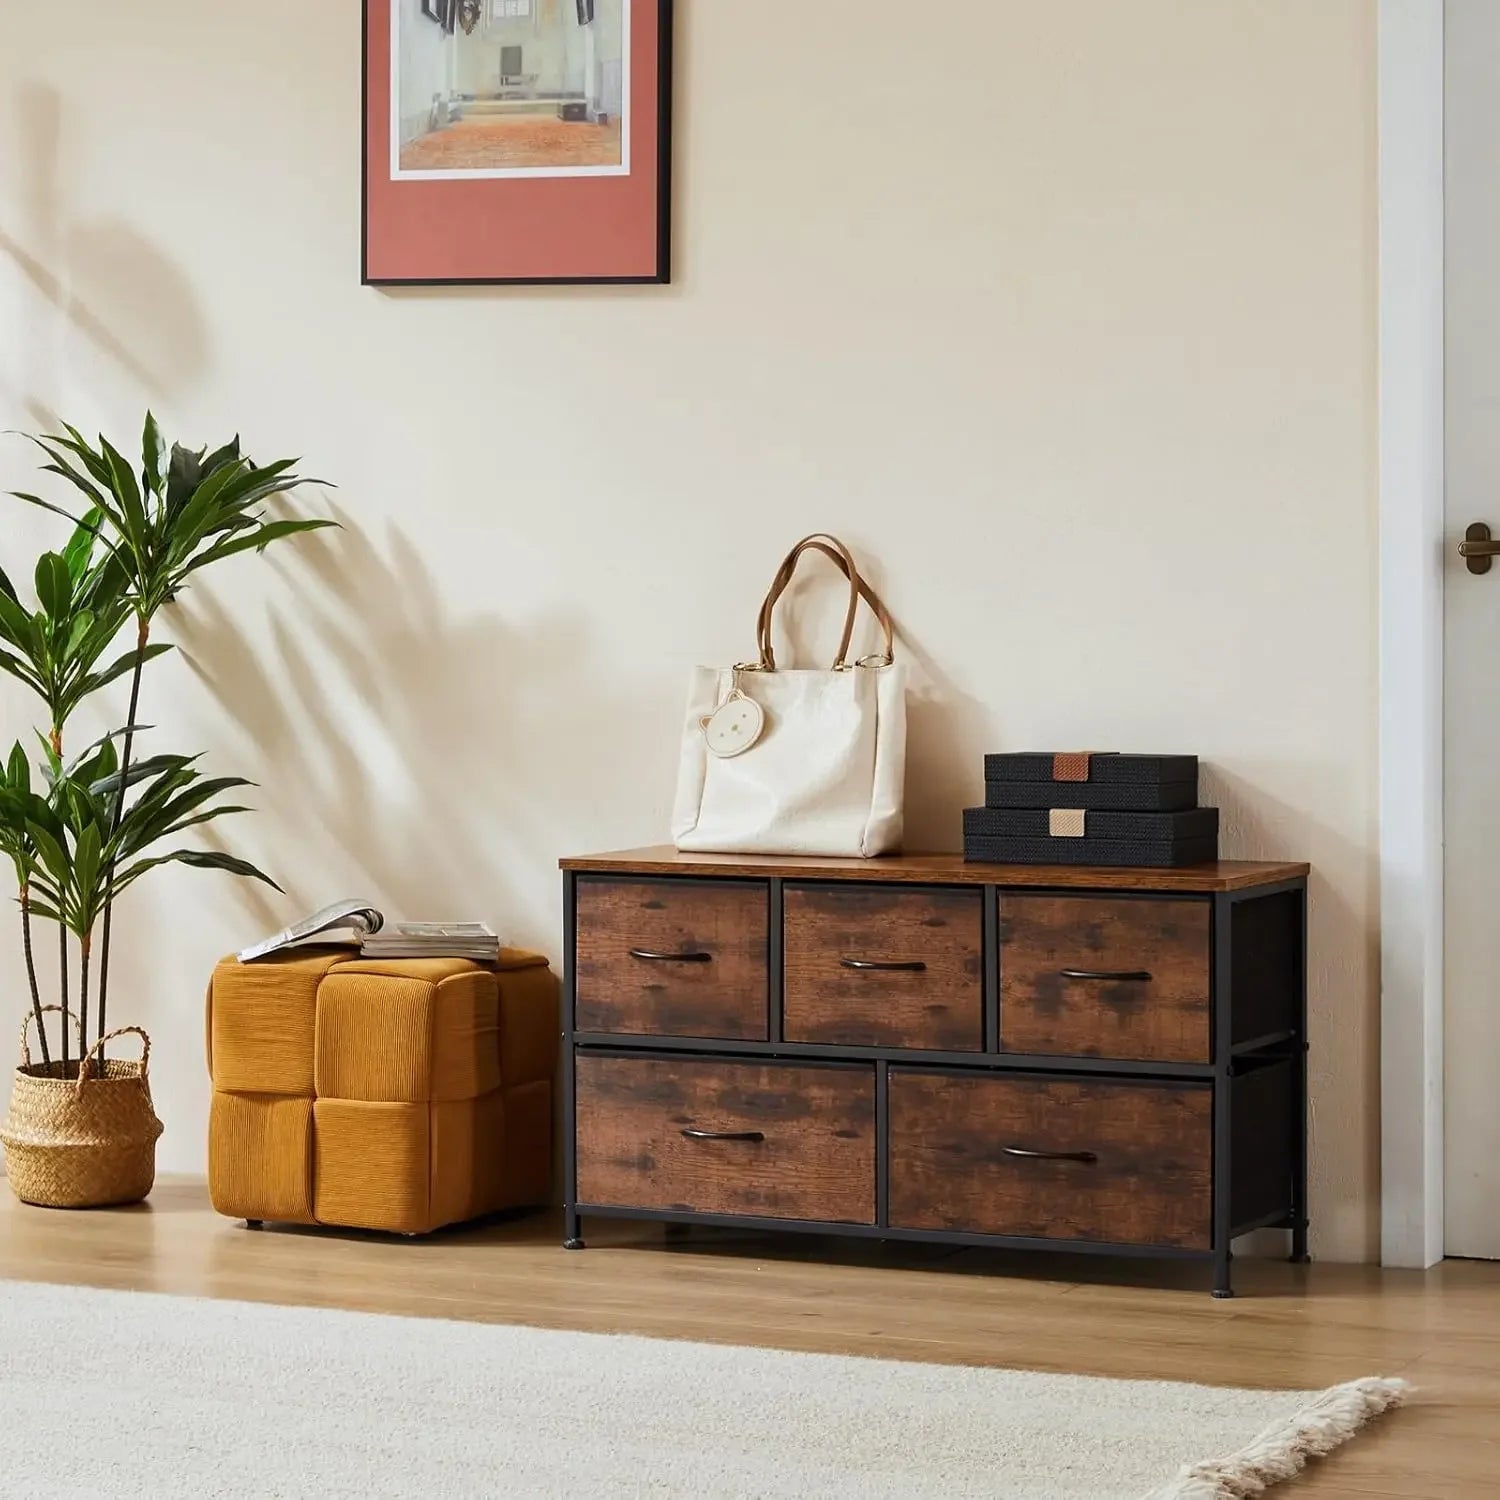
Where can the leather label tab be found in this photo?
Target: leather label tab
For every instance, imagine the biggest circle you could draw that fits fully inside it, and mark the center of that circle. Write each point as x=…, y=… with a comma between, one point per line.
x=1074, y=767
x=1067, y=822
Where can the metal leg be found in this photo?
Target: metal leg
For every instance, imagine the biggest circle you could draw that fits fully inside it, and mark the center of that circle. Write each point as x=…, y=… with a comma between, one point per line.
x=572, y=1229
x=1223, y=1117
x=1223, y=1284
x=1299, y=1105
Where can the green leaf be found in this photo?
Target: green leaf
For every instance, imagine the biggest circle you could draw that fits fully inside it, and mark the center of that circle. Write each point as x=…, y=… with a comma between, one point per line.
x=184, y=475
x=152, y=815
x=14, y=666
x=75, y=442
x=126, y=663
x=203, y=508
x=16, y=627
x=45, y=910
x=260, y=539
x=198, y=859
x=88, y=750
x=128, y=493
x=37, y=500
x=105, y=582
x=80, y=549
x=18, y=769
x=205, y=817
x=50, y=849
x=83, y=483
x=67, y=515
x=140, y=770
x=54, y=584
x=230, y=453
x=7, y=588
x=78, y=632
x=153, y=452
x=86, y=859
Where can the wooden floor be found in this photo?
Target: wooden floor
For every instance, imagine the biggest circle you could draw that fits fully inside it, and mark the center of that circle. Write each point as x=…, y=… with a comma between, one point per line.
x=1293, y=1326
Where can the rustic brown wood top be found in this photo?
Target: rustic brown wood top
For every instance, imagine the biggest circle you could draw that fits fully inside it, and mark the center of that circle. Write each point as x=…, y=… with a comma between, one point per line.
x=941, y=869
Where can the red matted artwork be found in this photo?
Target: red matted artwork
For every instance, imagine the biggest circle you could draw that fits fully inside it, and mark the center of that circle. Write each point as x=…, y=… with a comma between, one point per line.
x=517, y=141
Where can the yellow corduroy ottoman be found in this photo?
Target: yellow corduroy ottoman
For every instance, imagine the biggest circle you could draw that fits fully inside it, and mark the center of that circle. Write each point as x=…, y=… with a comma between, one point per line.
x=394, y=1095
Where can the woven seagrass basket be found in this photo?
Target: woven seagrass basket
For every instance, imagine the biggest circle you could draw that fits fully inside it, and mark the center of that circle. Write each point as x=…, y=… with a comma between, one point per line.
x=79, y=1139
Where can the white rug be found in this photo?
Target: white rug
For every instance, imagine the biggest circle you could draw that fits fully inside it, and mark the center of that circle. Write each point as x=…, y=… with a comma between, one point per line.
x=125, y=1394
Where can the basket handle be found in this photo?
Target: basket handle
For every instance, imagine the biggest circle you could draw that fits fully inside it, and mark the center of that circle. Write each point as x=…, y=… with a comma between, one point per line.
x=93, y=1052
x=26, y=1031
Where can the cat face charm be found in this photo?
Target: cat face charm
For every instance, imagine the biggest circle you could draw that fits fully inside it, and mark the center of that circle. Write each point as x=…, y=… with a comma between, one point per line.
x=733, y=727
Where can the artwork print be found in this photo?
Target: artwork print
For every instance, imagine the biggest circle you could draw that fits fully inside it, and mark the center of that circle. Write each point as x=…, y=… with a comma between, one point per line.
x=517, y=140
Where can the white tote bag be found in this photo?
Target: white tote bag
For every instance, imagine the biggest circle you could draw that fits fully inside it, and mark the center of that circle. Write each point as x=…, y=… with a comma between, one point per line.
x=778, y=761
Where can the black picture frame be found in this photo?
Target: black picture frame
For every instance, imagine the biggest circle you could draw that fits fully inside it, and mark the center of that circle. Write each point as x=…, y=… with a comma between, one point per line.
x=665, y=91
x=440, y=11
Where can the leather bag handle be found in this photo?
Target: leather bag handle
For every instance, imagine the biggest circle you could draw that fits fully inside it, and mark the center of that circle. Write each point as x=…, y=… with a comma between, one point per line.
x=833, y=549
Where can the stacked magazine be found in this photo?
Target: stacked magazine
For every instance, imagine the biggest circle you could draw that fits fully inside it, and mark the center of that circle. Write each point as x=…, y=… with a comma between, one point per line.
x=433, y=940
x=357, y=924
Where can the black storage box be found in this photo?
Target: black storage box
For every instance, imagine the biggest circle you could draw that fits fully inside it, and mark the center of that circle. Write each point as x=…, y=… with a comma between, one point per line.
x=1076, y=836
x=1123, y=783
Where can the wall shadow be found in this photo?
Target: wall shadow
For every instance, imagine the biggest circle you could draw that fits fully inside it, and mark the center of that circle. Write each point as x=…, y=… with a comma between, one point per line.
x=384, y=715
x=83, y=267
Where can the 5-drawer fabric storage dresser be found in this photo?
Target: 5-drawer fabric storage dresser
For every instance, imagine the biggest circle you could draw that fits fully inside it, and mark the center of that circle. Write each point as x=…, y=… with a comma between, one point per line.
x=921, y=1048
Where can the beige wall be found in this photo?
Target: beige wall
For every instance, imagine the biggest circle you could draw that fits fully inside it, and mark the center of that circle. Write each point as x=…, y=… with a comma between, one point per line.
x=1075, y=344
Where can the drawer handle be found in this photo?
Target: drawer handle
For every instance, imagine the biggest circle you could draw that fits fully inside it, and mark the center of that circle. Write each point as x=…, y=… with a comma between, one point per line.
x=893, y=966
x=754, y=1137
x=1088, y=1158
x=1131, y=976
x=647, y=956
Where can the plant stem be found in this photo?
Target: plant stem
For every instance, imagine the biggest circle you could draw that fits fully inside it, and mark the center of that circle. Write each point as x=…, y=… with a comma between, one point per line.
x=84, y=944
x=83, y=1002
x=36, y=994
x=62, y=940
x=62, y=979
x=142, y=637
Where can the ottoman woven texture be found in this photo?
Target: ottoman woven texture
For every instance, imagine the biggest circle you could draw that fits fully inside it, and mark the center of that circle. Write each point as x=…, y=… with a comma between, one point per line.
x=399, y=1095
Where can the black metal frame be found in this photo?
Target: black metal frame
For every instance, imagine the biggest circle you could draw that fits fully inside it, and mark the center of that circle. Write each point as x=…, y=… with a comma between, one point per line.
x=664, y=104
x=1227, y=1059
x=1221, y=1030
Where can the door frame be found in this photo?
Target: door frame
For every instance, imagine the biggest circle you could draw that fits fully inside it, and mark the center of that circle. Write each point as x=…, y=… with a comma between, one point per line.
x=1412, y=542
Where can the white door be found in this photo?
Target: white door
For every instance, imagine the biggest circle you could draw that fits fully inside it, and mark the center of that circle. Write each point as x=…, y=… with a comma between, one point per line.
x=1472, y=635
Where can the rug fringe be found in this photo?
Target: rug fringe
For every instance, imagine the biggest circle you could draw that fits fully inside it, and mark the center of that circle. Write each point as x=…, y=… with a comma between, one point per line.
x=1283, y=1449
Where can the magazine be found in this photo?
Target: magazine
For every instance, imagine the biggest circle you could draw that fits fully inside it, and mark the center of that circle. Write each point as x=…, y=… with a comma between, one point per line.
x=434, y=940
x=358, y=924
x=345, y=922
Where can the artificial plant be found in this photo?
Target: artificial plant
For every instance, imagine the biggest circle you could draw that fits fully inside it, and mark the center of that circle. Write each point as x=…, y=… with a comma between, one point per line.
x=79, y=838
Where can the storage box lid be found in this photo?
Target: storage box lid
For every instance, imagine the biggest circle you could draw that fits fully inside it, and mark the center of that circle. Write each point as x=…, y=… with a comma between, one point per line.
x=1099, y=767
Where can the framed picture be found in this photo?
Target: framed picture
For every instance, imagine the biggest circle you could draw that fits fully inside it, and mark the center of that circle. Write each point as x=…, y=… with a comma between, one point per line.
x=532, y=144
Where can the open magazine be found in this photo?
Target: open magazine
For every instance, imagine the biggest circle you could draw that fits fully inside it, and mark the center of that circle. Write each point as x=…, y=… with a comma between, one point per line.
x=348, y=922
x=358, y=924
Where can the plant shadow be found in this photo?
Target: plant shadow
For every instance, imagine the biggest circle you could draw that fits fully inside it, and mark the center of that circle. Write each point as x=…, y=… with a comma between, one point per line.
x=391, y=711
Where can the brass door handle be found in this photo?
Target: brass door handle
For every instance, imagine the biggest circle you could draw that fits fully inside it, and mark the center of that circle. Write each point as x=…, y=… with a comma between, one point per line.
x=1477, y=549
